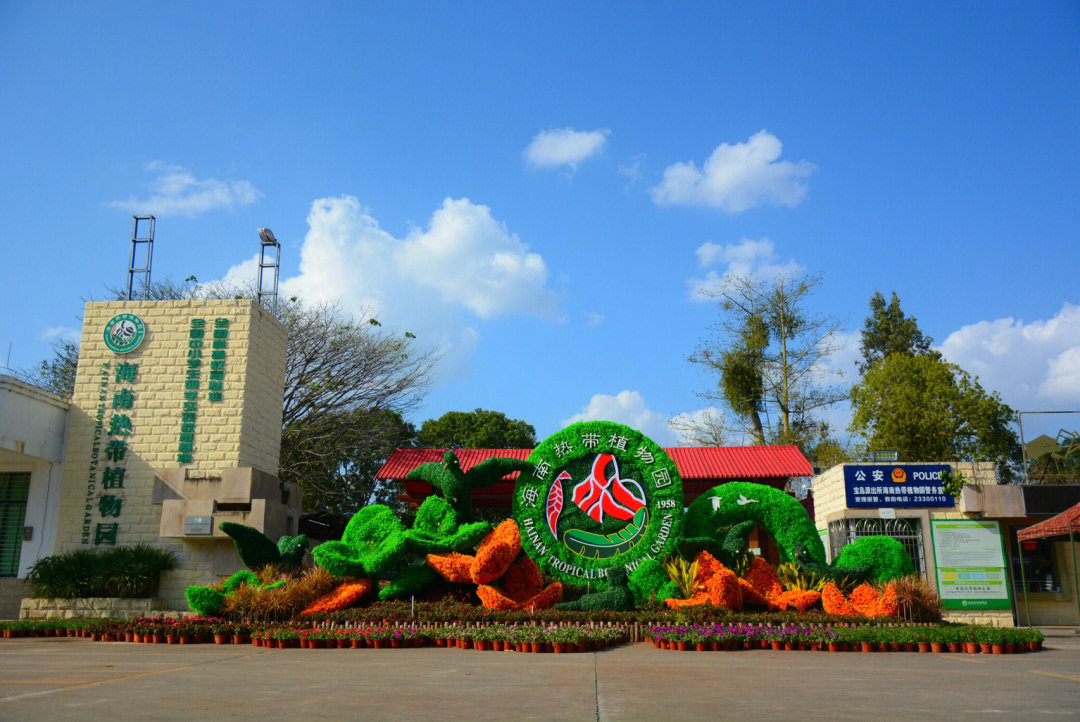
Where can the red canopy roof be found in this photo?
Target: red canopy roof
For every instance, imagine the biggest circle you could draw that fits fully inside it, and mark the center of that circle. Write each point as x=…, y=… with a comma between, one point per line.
x=699, y=467
x=1068, y=520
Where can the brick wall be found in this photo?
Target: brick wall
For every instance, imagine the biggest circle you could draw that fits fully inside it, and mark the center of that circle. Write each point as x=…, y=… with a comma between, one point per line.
x=241, y=430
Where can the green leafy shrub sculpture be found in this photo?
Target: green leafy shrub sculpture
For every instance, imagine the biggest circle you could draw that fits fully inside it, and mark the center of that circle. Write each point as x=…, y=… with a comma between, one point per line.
x=456, y=486
x=206, y=601
x=436, y=530
x=241, y=577
x=409, y=581
x=616, y=598
x=373, y=543
x=647, y=580
x=882, y=557
x=257, y=550
x=723, y=508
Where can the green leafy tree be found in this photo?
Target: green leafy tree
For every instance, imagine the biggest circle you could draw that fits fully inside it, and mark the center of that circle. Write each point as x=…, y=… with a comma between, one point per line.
x=58, y=373
x=768, y=351
x=887, y=331
x=479, y=429
x=931, y=410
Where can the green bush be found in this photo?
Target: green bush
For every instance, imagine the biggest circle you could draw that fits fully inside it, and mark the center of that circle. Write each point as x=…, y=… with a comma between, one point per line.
x=207, y=601
x=884, y=558
x=118, y=572
x=409, y=581
x=647, y=579
x=241, y=577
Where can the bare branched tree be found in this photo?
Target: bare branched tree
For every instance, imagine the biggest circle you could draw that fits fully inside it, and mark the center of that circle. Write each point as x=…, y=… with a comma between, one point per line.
x=769, y=354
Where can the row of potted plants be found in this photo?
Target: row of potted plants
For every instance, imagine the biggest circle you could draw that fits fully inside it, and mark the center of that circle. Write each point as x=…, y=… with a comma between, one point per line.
x=496, y=637
x=946, y=638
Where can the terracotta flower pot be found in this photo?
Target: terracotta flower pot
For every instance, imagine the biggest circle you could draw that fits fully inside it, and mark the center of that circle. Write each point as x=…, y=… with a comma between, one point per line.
x=344, y=642
x=1034, y=646
x=699, y=646
x=997, y=648
x=395, y=644
x=866, y=646
x=985, y=648
x=834, y=646
x=937, y=647
x=777, y=646
x=924, y=646
x=537, y=647
x=1010, y=648
x=241, y=638
x=954, y=647
x=971, y=647
x=440, y=642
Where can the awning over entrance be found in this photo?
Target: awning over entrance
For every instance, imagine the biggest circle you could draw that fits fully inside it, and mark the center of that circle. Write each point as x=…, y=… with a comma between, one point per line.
x=1063, y=524
x=701, y=468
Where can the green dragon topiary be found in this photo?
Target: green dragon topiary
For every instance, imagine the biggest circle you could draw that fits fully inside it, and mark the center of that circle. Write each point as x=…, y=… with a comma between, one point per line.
x=373, y=543
x=257, y=550
x=456, y=486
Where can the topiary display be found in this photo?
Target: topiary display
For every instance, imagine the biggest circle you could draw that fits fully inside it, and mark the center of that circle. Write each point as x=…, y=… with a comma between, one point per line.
x=241, y=577
x=257, y=550
x=882, y=557
x=616, y=598
x=206, y=601
x=647, y=579
x=436, y=530
x=456, y=486
x=724, y=507
x=409, y=581
x=372, y=544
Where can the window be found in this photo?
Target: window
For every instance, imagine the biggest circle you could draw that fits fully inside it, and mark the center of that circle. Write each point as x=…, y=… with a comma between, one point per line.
x=14, y=488
x=1040, y=572
x=906, y=531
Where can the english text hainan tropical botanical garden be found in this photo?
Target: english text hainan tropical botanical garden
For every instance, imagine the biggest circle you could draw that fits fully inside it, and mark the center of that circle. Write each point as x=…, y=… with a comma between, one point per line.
x=598, y=550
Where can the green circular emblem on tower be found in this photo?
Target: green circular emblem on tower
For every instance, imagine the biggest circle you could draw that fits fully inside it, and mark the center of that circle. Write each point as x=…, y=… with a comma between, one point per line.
x=600, y=495
x=124, y=332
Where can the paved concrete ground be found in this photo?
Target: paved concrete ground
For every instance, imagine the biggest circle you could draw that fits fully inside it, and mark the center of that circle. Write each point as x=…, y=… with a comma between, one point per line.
x=61, y=679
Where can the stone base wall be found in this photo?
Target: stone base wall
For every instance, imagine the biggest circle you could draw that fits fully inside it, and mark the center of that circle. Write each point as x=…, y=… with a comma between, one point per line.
x=995, y=617
x=91, y=608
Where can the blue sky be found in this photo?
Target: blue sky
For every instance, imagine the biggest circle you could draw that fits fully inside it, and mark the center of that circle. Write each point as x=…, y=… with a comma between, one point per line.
x=536, y=190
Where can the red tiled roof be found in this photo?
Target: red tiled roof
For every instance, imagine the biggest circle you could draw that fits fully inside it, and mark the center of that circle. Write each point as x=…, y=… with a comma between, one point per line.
x=700, y=468
x=693, y=462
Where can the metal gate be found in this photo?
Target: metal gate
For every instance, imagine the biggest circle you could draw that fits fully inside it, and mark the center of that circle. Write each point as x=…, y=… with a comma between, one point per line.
x=906, y=531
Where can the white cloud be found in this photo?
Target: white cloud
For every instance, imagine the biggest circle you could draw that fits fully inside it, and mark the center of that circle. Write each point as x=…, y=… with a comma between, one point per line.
x=176, y=192
x=745, y=258
x=736, y=177
x=632, y=169
x=1034, y=365
x=565, y=146
x=61, y=333
x=627, y=407
x=594, y=319
x=433, y=283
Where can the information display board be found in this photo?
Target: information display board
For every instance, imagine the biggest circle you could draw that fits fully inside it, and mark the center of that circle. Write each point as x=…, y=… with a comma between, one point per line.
x=970, y=558
x=874, y=486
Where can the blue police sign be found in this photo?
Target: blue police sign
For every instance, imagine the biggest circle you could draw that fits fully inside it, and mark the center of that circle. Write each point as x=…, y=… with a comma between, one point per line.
x=876, y=486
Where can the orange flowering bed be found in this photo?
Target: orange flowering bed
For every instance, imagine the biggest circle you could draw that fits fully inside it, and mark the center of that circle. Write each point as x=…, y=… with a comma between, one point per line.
x=493, y=598
x=699, y=598
x=762, y=577
x=864, y=600
x=723, y=589
x=797, y=599
x=833, y=601
x=496, y=553
x=522, y=580
x=452, y=567
x=888, y=605
x=345, y=596
x=707, y=565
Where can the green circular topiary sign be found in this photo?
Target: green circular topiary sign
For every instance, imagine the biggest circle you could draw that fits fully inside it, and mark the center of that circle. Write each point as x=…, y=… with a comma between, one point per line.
x=600, y=495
